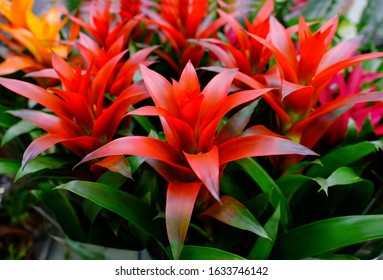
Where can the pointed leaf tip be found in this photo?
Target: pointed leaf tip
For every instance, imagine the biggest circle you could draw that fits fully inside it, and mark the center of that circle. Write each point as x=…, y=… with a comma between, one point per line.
x=180, y=201
x=206, y=168
x=232, y=212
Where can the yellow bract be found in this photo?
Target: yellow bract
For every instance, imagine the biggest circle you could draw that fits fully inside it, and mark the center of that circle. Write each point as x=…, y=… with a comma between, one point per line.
x=38, y=35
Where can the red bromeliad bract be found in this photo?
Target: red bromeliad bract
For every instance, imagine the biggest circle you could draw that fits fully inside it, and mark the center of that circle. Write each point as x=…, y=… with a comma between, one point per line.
x=81, y=120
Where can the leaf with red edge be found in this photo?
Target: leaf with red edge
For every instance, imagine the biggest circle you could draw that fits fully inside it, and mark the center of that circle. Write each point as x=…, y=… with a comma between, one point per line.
x=288, y=70
x=230, y=211
x=206, y=167
x=210, y=122
x=327, y=114
x=280, y=39
x=169, y=172
x=62, y=67
x=322, y=78
x=297, y=99
x=259, y=145
x=180, y=199
x=50, y=123
x=81, y=111
x=338, y=53
x=160, y=90
x=38, y=94
x=82, y=145
x=137, y=146
x=181, y=131
x=218, y=51
x=216, y=90
x=107, y=123
x=101, y=80
x=124, y=77
x=118, y=164
x=40, y=145
x=235, y=126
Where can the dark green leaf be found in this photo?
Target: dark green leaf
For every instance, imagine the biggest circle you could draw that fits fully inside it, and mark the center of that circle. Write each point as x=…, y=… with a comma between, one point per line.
x=44, y=162
x=206, y=253
x=6, y=120
x=342, y=156
x=263, y=246
x=9, y=166
x=268, y=185
x=59, y=205
x=326, y=235
x=127, y=206
x=110, y=178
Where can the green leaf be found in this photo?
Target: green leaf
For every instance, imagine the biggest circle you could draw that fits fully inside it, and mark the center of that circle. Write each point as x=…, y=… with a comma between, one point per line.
x=95, y=252
x=342, y=176
x=327, y=235
x=289, y=184
x=6, y=119
x=16, y=130
x=44, y=162
x=127, y=206
x=342, y=156
x=59, y=204
x=206, y=253
x=9, y=166
x=263, y=247
x=110, y=178
x=232, y=212
x=268, y=185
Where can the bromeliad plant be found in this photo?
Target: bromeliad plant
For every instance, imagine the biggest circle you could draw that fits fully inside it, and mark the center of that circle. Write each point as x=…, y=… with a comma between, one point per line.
x=129, y=153
x=194, y=155
x=82, y=119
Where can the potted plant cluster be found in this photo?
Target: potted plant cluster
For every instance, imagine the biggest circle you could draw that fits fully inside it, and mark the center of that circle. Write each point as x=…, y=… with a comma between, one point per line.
x=193, y=129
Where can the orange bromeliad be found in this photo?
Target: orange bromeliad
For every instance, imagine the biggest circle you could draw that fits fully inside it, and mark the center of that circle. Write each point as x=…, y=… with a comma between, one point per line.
x=29, y=38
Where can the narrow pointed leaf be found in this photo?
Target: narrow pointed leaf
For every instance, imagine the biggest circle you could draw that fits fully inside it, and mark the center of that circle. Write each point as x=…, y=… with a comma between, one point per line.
x=16, y=130
x=36, y=93
x=180, y=201
x=127, y=206
x=118, y=164
x=216, y=90
x=259, y=145
x=206, y=253
x=327, y=235
x=236, y=124
x=160, y=90
x=342, y=156
x=263, y=247
x=50, y=123
x=230, y=211
x=40, y=145
x=43, y=162
x=206, y=167
x=268, y=185
x=136, y=146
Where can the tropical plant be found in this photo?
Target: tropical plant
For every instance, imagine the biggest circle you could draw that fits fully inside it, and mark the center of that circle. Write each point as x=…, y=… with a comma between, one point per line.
x=193, y=129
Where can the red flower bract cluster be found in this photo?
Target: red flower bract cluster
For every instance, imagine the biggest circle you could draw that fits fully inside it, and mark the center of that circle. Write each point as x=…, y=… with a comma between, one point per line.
x=203, y=120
